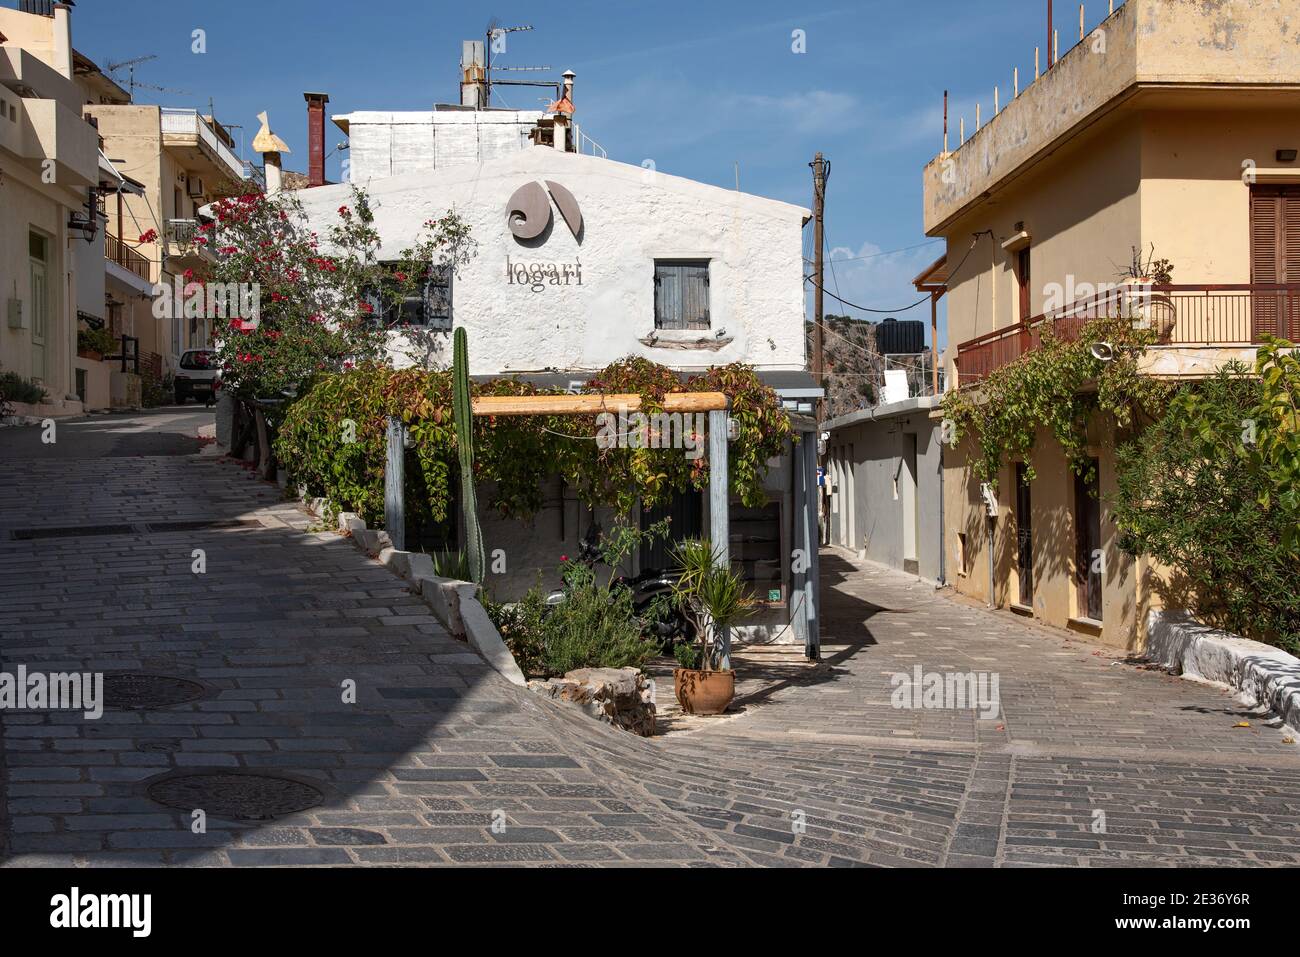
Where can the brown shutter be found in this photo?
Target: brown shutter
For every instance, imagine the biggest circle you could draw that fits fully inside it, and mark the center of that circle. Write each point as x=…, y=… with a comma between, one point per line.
x=1289, y=256
x=1265, y=269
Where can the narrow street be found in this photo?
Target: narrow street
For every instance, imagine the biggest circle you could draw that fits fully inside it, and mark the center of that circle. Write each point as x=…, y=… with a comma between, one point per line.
x=240, y=677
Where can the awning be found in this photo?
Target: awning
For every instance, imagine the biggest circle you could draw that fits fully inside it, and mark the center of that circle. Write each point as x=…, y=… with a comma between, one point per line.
x=113, y=181
x=934, y=278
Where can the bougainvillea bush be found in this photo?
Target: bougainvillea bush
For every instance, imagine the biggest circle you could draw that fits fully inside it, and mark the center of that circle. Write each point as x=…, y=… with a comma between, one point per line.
x=320, y=299
x=333, y=441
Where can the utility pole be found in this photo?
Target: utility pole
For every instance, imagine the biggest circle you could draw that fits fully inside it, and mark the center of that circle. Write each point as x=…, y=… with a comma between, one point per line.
x=819, y=329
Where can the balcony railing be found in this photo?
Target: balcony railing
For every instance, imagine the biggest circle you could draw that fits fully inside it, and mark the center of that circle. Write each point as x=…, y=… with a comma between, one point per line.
x=119, y=252
x=189, y=123
x=1179, y=315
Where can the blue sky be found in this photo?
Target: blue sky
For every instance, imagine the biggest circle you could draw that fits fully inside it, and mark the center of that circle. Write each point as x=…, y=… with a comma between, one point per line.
x=694, y=86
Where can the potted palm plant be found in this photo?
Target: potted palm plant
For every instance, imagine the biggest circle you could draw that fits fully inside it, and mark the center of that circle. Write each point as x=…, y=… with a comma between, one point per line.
x=713, y=597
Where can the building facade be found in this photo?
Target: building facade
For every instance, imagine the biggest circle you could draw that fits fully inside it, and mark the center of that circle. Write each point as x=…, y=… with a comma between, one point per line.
x=884, y=486
x=582, y=261
x=182, y=160
x=1170, y=129
x=49, y=167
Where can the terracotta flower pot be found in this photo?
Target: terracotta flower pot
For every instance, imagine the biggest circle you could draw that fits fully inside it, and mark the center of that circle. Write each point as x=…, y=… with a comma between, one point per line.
x=704, y=692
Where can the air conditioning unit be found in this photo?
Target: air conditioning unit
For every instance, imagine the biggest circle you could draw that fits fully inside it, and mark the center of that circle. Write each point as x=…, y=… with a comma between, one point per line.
x=194, y=187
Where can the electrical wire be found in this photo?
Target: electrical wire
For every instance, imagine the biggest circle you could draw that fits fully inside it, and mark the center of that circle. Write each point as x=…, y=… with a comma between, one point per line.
x=887, y=252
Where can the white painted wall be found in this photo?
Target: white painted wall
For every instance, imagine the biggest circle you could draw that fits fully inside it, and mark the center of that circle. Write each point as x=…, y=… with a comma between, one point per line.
x=382, y=144
x=631, y=217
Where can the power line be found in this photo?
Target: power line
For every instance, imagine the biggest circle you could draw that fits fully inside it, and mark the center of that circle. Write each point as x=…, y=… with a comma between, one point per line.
x=888, y=252
x=854, y=305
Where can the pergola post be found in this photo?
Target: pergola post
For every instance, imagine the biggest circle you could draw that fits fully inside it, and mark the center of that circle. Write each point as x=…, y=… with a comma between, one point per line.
x=804, y=583
x=720, y=512
x=395, y=483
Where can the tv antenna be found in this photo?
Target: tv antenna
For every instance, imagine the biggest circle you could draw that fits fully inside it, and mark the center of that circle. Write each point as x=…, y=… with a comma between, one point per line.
x=132, y=82
x=496, y=33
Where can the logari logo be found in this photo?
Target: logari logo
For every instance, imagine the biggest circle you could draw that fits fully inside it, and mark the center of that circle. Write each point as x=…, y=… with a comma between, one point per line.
x=529, y=210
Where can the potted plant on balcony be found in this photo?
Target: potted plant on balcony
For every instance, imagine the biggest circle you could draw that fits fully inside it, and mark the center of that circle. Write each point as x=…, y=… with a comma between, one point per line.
x=1155, y=309
x=713, y=598
x=94, y=344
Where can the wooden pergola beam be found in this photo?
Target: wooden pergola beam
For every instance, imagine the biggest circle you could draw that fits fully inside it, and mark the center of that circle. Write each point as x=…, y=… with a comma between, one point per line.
x=593, y=404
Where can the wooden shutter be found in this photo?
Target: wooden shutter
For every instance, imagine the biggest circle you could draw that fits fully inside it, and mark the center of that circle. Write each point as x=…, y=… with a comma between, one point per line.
x=1265, y=268
x=682, y=295
x=1289, y=258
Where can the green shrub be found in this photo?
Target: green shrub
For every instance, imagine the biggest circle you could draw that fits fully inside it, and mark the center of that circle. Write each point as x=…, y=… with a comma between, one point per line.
x=595, y=626
x=688, y=656
x=522, y=630
x=96, y=340
x=154, y=393
x=1201, y=492
x=454, y=565
x=14, y=388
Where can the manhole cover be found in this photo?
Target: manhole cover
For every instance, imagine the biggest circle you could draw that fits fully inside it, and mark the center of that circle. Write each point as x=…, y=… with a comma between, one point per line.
x=141, y=692
x=243, y=797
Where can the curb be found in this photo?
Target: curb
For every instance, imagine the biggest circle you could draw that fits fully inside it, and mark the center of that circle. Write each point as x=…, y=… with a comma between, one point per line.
x=1260, y=674
x=454, y=603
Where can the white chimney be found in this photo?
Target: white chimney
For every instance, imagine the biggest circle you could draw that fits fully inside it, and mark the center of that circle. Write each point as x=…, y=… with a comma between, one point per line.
x=61, y=41
x=274, y=174
x=473, y=88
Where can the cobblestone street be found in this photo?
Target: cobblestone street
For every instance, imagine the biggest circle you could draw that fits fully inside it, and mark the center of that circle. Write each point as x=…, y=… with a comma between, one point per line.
x=1092, y=762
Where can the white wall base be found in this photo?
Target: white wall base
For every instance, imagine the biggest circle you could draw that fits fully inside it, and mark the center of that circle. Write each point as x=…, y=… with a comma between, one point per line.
x=1260, y=674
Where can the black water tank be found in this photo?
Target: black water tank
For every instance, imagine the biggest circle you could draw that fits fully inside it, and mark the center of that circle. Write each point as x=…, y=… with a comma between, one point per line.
x=906, y=338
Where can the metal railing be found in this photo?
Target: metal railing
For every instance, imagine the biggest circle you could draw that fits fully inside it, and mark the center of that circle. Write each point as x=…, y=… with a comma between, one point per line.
x=1179, y=315
x=190, y=123
x=585, y=144
x=119, y=252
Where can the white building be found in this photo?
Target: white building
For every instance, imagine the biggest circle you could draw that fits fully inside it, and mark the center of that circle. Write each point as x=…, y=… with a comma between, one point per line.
x=582, y=261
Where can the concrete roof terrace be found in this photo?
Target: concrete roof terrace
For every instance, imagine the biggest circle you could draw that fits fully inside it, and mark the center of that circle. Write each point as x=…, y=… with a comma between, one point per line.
x=1147, y=53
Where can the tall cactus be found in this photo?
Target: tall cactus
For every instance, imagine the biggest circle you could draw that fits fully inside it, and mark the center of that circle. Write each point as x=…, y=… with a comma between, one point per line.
x=464, y=415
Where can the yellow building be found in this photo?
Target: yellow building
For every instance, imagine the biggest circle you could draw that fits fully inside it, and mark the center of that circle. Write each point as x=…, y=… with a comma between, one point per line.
x=183, y=160
x=49, y=164
x=1173, y=126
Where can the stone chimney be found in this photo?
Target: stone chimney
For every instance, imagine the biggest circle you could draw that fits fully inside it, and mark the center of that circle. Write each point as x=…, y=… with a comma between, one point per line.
x=61, y=39
x=316, y=137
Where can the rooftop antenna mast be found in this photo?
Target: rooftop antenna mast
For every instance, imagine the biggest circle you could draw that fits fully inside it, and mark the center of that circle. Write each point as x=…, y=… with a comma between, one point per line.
x=496, y=33
x=132, y=83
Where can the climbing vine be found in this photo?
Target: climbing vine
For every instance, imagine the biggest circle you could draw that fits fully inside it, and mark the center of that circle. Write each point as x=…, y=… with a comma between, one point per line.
x=1058, y=386
x=332, y=441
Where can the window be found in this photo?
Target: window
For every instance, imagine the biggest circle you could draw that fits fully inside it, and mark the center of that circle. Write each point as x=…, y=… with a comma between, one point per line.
x=197, y=359
x=429, y=308
x=39, y=270
x=681, y=294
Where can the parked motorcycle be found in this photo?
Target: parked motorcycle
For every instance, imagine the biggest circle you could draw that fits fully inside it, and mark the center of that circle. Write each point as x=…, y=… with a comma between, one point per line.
x=661, y=621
